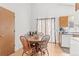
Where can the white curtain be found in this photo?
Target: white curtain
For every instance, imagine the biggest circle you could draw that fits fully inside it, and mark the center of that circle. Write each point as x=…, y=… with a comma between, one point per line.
x=47, y=28
x=39, y=26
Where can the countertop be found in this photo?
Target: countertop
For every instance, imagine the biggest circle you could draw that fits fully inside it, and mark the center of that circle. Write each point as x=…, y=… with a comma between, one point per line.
x=76, y=38
x=71, y=33
x=75, y=35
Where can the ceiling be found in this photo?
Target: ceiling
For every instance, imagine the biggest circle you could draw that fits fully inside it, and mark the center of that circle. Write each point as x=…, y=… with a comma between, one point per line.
x=66, y=4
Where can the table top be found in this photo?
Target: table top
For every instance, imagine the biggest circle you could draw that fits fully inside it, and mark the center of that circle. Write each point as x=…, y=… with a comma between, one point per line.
x=34, y=38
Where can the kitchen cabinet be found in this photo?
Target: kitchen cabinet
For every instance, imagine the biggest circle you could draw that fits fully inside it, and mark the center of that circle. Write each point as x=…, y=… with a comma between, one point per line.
x=76, y=18
x=76, y=21
x=73, y=22
x=76, y=6
x=74, y=47
x=63, y=21
x=65, y=41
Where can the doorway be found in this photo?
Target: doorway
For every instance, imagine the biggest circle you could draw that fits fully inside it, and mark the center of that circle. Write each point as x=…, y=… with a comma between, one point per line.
x=47, y=27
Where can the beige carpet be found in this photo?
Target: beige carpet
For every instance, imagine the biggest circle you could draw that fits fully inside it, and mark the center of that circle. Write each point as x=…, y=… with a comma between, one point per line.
x=54, y=50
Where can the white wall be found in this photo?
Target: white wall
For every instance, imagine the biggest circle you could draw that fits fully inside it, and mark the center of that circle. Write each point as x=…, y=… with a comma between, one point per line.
x=40, y=10
x=43, y=10
x=50, y=10
x=22, y=20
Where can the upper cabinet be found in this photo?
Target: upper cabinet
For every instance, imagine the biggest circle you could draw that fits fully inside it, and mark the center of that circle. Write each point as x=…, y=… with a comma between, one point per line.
x=76, y=6
x=63, y=21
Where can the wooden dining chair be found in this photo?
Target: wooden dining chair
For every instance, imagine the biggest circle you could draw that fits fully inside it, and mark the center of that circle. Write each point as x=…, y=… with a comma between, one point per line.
x=44, y=42
x=26, y=46
x=40, y=34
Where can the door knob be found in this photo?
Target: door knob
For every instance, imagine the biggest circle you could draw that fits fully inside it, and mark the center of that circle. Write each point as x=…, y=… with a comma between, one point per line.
x=1, y=36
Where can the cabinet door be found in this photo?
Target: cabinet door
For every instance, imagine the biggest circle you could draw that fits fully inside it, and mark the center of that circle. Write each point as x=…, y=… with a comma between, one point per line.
x=66, y=40
x=63, y=21
x=74, y=47
x=76, y=21
x=76, y=6
x=6, y=32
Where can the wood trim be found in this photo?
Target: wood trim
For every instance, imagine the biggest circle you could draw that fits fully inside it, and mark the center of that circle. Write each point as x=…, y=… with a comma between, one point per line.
x=76, y=6
x=7, y=9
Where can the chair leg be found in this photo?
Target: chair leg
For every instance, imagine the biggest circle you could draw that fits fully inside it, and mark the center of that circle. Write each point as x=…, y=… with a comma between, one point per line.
x=47, y=52
x=41, y=53
x=22, y=53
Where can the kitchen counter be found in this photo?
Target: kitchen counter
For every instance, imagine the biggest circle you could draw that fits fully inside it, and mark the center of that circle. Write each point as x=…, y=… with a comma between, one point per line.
x=66, y=37
x=76, y=38
x=76, y=34
x=74, y=46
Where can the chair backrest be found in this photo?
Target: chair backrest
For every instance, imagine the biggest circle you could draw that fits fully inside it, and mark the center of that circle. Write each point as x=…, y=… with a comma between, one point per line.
x=25, y=43
x=45, y=38
x=40, y=34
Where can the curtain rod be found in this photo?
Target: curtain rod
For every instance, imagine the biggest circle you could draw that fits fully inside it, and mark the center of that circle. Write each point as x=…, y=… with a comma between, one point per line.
x=44, y=18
